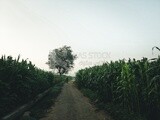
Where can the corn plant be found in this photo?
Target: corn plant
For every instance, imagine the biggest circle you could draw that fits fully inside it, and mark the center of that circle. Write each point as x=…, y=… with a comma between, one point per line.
x=133, y=84
x=20, y=82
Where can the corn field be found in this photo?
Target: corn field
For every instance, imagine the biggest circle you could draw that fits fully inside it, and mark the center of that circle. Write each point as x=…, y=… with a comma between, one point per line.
x=132, y=84
x=20, y=82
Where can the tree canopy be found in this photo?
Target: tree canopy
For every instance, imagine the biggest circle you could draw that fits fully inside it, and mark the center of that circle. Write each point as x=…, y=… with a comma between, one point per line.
x=61, y=59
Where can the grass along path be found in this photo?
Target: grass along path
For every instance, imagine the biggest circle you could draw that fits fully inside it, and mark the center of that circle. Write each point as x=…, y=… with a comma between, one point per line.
x=40, y=109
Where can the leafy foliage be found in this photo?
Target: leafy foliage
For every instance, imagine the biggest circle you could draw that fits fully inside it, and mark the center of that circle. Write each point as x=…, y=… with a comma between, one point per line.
x=61, y=59
x=133, y=85
x=20, y=82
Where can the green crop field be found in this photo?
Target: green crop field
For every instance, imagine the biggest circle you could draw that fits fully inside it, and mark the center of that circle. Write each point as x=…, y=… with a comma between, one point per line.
x=20, y=82
x=133, y=85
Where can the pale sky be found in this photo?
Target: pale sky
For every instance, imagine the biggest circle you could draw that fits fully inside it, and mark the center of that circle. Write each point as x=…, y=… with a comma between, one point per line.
x=96, y=30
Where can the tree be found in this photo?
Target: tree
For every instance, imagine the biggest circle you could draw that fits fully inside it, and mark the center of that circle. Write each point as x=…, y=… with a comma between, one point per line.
x=61, y=59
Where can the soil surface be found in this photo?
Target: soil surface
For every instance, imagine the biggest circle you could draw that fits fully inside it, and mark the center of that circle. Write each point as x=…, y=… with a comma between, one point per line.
x=72, y=105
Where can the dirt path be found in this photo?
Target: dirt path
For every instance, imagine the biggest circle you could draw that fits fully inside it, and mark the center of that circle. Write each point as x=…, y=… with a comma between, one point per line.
x=72, y=105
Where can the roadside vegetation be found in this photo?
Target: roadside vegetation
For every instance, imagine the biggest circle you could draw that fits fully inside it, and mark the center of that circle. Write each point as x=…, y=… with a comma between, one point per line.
x=41, y=108
x=128, y=90
x=21, y=82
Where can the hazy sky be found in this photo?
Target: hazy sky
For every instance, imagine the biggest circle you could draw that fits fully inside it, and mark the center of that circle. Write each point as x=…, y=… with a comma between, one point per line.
x=97, y=30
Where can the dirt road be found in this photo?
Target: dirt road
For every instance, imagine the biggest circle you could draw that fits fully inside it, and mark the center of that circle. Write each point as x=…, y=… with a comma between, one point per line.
x=72, y=105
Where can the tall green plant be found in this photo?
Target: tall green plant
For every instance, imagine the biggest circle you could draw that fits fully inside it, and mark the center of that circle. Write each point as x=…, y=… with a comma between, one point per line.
x=133, y=84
